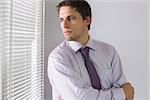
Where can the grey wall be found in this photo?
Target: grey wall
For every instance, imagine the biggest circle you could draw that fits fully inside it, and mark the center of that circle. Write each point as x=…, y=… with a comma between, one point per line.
x=149, y=44
x=121, y=23
x=53, y=37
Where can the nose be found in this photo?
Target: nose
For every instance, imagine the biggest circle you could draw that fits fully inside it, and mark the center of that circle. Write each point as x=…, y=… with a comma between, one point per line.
x=65, y=23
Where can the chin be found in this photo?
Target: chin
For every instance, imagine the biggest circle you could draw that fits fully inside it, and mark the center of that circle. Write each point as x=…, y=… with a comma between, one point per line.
x=68, y=38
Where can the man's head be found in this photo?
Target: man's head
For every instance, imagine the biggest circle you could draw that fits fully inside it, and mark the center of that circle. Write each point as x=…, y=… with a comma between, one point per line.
x=81, y=6
x=75, y=19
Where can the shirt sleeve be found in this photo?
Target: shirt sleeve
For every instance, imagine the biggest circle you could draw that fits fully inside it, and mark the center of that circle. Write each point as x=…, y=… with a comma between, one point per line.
x=118, y=77
x=72, y=87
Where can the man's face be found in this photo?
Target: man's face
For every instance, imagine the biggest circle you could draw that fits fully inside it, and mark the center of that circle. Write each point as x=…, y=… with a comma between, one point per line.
x=72, y=24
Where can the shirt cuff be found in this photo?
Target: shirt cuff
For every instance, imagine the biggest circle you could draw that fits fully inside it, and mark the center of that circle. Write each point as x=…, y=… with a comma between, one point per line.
x=118, y=94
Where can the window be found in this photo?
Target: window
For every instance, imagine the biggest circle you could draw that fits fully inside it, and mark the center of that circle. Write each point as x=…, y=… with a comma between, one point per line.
x=21, y=50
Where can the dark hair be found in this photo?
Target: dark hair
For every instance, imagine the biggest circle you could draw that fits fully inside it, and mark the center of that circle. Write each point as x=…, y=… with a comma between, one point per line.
x=81, y=6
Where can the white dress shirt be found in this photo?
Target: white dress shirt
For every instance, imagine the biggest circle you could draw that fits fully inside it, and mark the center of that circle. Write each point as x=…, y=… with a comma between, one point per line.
x=70, y=79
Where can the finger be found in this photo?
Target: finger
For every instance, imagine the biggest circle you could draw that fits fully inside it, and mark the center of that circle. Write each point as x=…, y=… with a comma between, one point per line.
x=126, y=84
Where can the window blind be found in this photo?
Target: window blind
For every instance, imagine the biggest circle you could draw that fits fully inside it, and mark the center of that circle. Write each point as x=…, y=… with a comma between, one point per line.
x=22, y=49
x=1, y=51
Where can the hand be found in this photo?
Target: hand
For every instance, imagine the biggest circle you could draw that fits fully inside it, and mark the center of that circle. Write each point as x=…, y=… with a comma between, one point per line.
x=128, y=90
x=60, y=97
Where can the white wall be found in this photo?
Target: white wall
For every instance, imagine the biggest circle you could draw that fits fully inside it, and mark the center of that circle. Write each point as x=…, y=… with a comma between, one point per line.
x=122, y=23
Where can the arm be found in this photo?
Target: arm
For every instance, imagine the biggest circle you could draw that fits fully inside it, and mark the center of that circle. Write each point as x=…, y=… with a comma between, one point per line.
x=128, y=90
x=72, y=87
x=119, y=81
x=68, y=82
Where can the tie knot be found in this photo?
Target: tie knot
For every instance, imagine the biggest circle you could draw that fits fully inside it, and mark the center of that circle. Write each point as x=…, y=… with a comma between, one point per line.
x=85, y=51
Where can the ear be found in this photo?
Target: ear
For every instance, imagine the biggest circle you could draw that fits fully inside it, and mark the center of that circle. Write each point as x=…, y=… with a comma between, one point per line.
x=88, y=20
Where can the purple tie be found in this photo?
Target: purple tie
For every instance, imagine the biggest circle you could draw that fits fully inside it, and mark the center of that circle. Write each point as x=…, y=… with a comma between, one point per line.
x=95, y=81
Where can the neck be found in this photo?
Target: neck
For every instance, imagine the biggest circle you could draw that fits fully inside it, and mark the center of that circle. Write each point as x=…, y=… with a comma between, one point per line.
x=84, y=42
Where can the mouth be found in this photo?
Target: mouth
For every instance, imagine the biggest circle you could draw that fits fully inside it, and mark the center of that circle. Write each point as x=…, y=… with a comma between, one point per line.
x=67, y=32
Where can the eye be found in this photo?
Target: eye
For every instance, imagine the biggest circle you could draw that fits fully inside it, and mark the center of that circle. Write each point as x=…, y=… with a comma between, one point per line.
x=60, y=19
x=71, y=18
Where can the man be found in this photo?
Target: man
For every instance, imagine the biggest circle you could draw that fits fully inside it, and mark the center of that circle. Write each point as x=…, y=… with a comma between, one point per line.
x=70, y=64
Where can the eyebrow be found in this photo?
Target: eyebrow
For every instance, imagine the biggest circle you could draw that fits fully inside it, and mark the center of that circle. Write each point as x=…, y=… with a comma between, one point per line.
x=70, y=15
x=67, y=16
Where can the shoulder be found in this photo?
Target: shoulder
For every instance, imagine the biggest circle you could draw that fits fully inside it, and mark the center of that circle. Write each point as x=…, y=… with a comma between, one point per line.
x=105, y=50
x=102, y=46
x=60, y=57
x=60, y=52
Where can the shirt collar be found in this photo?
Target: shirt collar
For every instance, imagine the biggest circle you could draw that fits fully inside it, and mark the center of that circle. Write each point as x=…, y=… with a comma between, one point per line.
x=75, y=46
